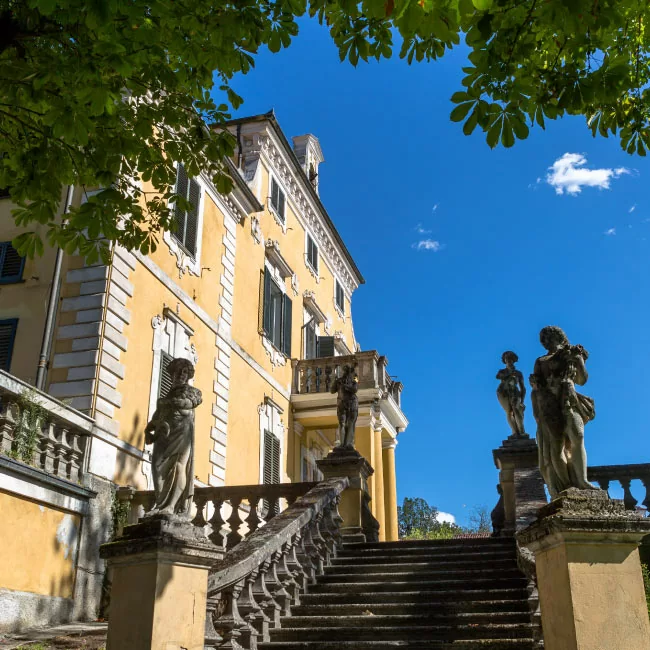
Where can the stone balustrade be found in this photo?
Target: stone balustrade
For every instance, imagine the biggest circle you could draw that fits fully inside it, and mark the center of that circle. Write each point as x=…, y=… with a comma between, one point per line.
x=265, y=575
x=318, y=375
x=232, y=512
x=42, y=431
x=603, y=475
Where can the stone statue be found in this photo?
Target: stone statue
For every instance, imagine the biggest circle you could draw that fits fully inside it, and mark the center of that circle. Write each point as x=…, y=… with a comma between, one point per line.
x=347, y=405
x=561, y=412
x=511, y=393
x=171, y=431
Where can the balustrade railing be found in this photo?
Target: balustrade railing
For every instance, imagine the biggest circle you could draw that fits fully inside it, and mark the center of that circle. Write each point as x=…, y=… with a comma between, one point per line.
x=232, y=512
x=265, y=575
x=41, y=431
x=604, y=475
x=318, y=375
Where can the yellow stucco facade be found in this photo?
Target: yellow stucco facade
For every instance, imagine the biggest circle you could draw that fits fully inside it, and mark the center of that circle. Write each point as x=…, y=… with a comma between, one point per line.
x=116, y=324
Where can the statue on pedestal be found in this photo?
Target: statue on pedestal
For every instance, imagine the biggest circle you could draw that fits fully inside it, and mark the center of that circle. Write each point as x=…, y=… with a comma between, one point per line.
x=171, y=431
x=561, y=412
x=347, y=406
x=511, y=393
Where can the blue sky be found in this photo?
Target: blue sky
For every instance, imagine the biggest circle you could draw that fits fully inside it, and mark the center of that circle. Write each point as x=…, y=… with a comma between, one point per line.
x=512, y=255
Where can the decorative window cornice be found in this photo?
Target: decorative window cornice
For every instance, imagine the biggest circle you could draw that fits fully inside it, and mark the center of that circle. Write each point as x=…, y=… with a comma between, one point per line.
x=309, y=298
x=275, y=257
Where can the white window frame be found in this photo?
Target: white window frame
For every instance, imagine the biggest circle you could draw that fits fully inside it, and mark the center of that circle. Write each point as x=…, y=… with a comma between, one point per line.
x=185, y=261
x=276, y=356
x=312, y=269
x=281, y=221
x=341, y=312
x=270, y=420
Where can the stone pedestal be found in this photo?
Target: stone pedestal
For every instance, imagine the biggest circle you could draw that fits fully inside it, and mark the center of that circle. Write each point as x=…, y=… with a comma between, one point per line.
x=588, y=573
x=359, y=525
x=159, y=588
x=522, y=484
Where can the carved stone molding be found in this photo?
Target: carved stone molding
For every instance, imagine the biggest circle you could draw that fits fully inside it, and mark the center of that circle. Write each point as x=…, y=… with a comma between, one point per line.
x=256, y=230
x=275, y=257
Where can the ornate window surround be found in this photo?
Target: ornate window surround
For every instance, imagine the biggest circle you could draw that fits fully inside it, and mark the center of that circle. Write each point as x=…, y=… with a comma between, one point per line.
x=339, y=311
x=313, y=270
x=278, y=219
x=277, y=275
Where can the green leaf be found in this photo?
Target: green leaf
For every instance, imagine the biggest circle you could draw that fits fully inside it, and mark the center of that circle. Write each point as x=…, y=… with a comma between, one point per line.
x=483, y=5
x=493, y=134
x=460, y=112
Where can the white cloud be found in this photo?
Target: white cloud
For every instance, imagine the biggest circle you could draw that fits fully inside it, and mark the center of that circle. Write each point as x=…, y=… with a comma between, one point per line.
x=420, y=230
x=610, y=232
x=632, y=209
x=569, y=174
x=428, y=245
x=434, y=208
x=445, y=517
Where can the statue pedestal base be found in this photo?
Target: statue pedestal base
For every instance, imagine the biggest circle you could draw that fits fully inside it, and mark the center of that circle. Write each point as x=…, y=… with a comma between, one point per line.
x=159, y=585
x=359, y=525
x=522, y=484
x=588, y=573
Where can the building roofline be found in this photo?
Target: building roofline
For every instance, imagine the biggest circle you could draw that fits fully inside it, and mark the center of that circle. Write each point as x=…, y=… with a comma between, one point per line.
x=243, y=186
x=272, y=120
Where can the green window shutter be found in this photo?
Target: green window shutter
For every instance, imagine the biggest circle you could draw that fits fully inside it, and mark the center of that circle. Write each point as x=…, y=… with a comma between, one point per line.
x=267, y=306
x=192, y=224
x=180, y=216
x=7, y=338
x=165, y=384
x=11, y=264
x=281, y=204
x=325, y=346
x=286, y=326
x=340, y=297
x=271, y=459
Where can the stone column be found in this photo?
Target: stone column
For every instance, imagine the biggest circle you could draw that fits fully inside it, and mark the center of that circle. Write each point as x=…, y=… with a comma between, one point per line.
x=359, y=524
x=588, y=573
x=378, y=496
x=159, y=589
x=522, y=484
x=390, y=490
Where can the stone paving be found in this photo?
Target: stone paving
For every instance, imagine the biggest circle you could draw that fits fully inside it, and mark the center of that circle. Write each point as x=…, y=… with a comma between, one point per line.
x=75, y=636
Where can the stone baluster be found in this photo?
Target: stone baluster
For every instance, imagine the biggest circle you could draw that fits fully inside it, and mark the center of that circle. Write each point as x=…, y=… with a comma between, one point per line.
x=217, y=522
x=646, y=484
x=75, y=457
x=304, y=380
x=47, y=447
x=285, y=575
x=628, y=500
x=253, y=520
x=306, y=556
x=234, y=521
x=60, y=448
x=199, y=518
x=300, y=576
x=213, y=640
x=9, y=418
x=313, y=379
x=604, y=484
x=328, y=379
x=235, y=631
x=250, y=610
x=275, y=586
x=313, y=550
x=263, y=596
x=320, y=542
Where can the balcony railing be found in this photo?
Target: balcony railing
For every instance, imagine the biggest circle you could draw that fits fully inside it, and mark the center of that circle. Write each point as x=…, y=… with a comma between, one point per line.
x=42, y=431
x=623, y=474
x=232, y=512
x=318, y=375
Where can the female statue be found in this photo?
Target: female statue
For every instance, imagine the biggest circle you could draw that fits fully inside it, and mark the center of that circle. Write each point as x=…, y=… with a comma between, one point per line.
x=561, y=412
x=511, y=393
x=171, y=431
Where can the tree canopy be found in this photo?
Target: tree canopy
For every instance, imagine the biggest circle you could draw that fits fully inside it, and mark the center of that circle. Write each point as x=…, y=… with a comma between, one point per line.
x=112, y=93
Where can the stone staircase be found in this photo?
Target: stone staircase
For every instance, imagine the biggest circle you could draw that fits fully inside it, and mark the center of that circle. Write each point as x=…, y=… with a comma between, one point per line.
x=458, y=594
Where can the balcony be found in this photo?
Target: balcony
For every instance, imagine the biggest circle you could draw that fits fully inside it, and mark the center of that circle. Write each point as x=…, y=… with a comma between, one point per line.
x=311, y=395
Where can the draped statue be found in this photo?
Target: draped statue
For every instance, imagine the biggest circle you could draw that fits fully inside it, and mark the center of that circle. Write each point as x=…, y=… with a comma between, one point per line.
x=347, y=405
x=561, y=412
x=171, y=431
x=511, y=393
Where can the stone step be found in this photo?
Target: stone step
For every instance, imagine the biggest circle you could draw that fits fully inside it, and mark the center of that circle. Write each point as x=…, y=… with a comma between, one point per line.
x=396, y=582
x=434, y=597
x=425, y=570
x=424, y=607
x=406, y=632
x=470, y=644
x=423, y=555
x=430, y=619
x=485, y=543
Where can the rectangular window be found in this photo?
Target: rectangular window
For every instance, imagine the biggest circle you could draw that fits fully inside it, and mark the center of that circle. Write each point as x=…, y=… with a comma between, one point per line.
x=271, y=469
x=7, y=338
x=340, y=297
x=186, y=223
x=277, y=199
x=312, y=253
x=11, y=264
x=277, y=314
x=311, y=340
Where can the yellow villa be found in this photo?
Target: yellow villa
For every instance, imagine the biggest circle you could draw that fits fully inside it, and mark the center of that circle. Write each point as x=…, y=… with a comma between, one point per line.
x=256, y=289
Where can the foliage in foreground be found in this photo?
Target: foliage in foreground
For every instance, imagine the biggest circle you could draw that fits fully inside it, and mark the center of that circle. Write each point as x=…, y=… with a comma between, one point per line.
x=108, y=94
x=646, y=583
